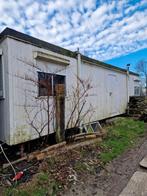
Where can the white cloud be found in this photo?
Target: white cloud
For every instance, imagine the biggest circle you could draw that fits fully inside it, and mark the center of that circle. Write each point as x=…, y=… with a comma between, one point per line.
x=101, y=29
x=76, y=17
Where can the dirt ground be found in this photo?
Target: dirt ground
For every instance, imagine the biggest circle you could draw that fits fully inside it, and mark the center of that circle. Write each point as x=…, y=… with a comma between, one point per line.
x=114, y=178
x=68, y=168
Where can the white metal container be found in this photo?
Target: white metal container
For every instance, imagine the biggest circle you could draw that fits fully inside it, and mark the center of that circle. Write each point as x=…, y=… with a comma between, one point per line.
x=23, y=57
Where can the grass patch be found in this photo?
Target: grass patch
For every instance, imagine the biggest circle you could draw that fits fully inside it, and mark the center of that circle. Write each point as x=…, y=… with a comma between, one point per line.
x=121, y=136
x=41, y=185
x=80, y=166
x=42, y=177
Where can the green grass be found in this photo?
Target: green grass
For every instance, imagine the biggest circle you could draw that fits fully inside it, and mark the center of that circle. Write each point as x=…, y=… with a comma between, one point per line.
x=121, y=136
x=40, y=186
x=42, y=178
x=80, y=166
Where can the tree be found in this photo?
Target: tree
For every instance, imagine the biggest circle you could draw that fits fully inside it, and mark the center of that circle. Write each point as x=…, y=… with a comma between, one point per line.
x=44, y=112
x=141, y=67
x=80, y=110
x=39, y=112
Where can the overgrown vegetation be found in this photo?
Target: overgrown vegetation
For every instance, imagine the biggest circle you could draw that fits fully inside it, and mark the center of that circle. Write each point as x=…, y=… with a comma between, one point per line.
x=120, y=137
x=41, y=185
x=58, y=173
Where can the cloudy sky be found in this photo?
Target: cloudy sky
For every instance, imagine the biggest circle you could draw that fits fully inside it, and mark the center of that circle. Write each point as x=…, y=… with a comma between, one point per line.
x=102, y=29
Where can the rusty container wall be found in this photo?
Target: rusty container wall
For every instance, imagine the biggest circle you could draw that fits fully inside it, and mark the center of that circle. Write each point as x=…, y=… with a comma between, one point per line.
x=5, y=98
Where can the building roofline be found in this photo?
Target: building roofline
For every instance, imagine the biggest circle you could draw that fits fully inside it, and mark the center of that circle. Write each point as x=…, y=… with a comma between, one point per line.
x=96, y=62
x=8, y=32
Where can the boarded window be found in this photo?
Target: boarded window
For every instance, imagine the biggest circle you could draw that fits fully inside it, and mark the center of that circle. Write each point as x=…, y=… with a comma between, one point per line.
x=51, y=84
x=45, y=84
x=59, y=84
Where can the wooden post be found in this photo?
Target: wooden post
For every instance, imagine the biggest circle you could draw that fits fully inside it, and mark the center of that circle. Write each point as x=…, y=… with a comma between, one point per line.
x=58, y=131
x=128, y=77
x=60, y=98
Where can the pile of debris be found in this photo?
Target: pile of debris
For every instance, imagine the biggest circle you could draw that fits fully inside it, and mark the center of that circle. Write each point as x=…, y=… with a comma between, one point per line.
x=138, y=107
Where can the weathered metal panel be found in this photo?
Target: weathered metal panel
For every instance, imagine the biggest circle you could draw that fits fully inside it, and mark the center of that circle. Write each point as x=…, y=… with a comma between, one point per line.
x=100, y=96
x=4, y=103
x=23, y=90
x=132, y=84
x=106, y=99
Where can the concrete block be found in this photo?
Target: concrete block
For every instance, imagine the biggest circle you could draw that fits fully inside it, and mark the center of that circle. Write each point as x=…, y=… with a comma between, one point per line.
x=137, y=186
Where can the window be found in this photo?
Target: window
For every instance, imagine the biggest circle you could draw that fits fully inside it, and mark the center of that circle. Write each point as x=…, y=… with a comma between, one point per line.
x=51, y=84
x=136, y=90
x=59, y=84
x=45, y=84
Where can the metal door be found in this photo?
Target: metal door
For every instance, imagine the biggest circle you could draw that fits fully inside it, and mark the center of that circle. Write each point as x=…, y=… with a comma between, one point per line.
x=112, y=94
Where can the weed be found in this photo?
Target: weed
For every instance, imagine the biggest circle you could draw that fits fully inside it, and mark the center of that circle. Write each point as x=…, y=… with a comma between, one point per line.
x=42, y=177
x=120, y=137
x=39, y=191
x=80, y=166
x=89, y=159
x=15, y=192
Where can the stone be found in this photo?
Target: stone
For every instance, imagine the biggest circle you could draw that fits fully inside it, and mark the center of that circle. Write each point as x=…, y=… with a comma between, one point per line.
x=137, y=185
x=143, y=163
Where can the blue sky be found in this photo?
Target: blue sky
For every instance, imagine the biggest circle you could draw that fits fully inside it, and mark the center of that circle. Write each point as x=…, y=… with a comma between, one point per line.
x=110, y=31
x=132, y=59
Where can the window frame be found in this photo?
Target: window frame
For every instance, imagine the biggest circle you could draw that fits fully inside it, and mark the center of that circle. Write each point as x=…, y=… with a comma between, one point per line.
x=53, y=83
x=136, y=89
